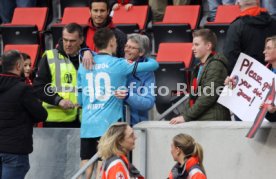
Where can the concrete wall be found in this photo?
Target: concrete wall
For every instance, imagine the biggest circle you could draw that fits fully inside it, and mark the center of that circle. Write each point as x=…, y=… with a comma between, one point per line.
x=56, y=153
x=228, y=153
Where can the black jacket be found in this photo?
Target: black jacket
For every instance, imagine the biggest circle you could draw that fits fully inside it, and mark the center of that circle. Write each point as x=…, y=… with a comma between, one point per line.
x=19, y=110
x=44, y=77
x=247, y=34
x=271, y=116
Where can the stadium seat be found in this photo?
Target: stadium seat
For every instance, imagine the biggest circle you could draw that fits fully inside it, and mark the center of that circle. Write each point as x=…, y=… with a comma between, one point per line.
x=30, y=16
x=32, y=50
x=175, y=52
x=170, y=77
x=134, y=20
x=225, y=15
x=71, y=14
x=177, y=25
x=220, y=30
x=26, y=27
x=175, y=61
x=73, y=3
x=20, y=34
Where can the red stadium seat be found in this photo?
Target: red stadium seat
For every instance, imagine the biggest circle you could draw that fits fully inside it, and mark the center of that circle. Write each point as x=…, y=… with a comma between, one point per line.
x=78, y=15
x=177, y=25
x=225, y=15
x=134, y=20
x=175, y=52
x=73, y=3
x=32, y=50
x=30, y=16
x=175, y=60
x=186, y=14
x=26, y=27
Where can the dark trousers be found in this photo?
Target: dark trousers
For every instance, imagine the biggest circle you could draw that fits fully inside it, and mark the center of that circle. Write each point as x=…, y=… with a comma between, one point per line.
x=13, y=166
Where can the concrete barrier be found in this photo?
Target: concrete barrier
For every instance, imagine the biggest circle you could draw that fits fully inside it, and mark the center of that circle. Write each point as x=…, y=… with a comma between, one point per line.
x=228, y=153
x=56, y=153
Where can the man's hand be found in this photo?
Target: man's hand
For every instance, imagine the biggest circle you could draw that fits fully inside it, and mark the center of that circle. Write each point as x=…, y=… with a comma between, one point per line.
x=66, y=104
x=115, y=7
x=128, y=7
x=271, y=108
x=121, y=94
x=177, y=120
x=88, y=60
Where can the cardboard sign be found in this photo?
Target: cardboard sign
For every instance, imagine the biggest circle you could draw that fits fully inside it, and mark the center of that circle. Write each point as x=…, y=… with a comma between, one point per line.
x=253, y=86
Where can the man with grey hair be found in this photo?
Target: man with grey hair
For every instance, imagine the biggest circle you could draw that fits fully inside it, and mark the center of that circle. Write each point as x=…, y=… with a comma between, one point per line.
x=248, y=32
x=140, y=97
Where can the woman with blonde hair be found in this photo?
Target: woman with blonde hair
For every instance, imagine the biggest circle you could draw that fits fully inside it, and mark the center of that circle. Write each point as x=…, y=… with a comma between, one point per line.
x=189, y=156
x=113, y=148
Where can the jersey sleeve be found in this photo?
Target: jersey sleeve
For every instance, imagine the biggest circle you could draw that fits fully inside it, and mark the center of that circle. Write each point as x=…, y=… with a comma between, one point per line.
x=148, y=66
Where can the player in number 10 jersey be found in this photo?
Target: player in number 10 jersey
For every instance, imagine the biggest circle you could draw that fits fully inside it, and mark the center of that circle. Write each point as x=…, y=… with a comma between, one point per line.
x=100, y=108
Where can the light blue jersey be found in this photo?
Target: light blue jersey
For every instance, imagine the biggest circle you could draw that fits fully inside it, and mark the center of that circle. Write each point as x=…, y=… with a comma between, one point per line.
x=100, y=108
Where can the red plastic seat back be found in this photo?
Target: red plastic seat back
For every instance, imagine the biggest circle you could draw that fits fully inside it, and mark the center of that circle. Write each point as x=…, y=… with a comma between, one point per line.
x=227, y=13
x=31, y=50
x=186, y=14
x=78, y=15
x=175, y=52
x=30, y=16
x=136, y=15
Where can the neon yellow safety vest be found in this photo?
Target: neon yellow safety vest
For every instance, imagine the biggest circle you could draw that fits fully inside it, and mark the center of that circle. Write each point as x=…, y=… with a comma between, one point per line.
x=64, y=82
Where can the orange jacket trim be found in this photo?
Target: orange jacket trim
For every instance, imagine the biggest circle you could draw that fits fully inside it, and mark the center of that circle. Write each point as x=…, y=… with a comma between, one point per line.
x=253, y=11
x=117, y=169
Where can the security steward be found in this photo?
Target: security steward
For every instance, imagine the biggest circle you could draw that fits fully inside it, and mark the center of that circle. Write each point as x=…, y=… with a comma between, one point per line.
x=56, y=80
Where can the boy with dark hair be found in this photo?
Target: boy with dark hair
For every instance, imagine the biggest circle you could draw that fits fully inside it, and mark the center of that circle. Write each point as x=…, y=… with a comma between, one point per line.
x=207, y=77
x=100, y=108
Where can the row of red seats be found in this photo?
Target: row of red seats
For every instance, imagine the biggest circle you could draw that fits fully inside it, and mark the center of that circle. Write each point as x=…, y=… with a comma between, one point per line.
x=28, y=25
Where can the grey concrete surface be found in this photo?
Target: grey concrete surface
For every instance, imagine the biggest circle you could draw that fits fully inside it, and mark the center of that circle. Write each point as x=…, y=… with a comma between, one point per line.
x=56, y=153
x=228, y=153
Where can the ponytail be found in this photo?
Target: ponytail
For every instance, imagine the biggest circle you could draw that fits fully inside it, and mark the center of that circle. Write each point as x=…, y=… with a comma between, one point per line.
x=198, y=152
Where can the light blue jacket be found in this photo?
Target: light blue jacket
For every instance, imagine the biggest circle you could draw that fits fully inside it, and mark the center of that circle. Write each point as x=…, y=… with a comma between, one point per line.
x=141, y=99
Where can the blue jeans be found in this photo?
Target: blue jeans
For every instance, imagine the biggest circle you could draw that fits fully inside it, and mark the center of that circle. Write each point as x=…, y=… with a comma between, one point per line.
x=7, y=7
x=213, y=5
x=14, y=166
x=270, y=5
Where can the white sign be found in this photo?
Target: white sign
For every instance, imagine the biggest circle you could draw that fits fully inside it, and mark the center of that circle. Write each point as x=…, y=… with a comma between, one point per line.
x=253, y=85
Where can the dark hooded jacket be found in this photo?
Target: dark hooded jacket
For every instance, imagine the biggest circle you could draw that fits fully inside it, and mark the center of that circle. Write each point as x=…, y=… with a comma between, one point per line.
x=271, y=116
x=247, y=34
x=202, y=105
x=44, y=77
x=19, y=110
